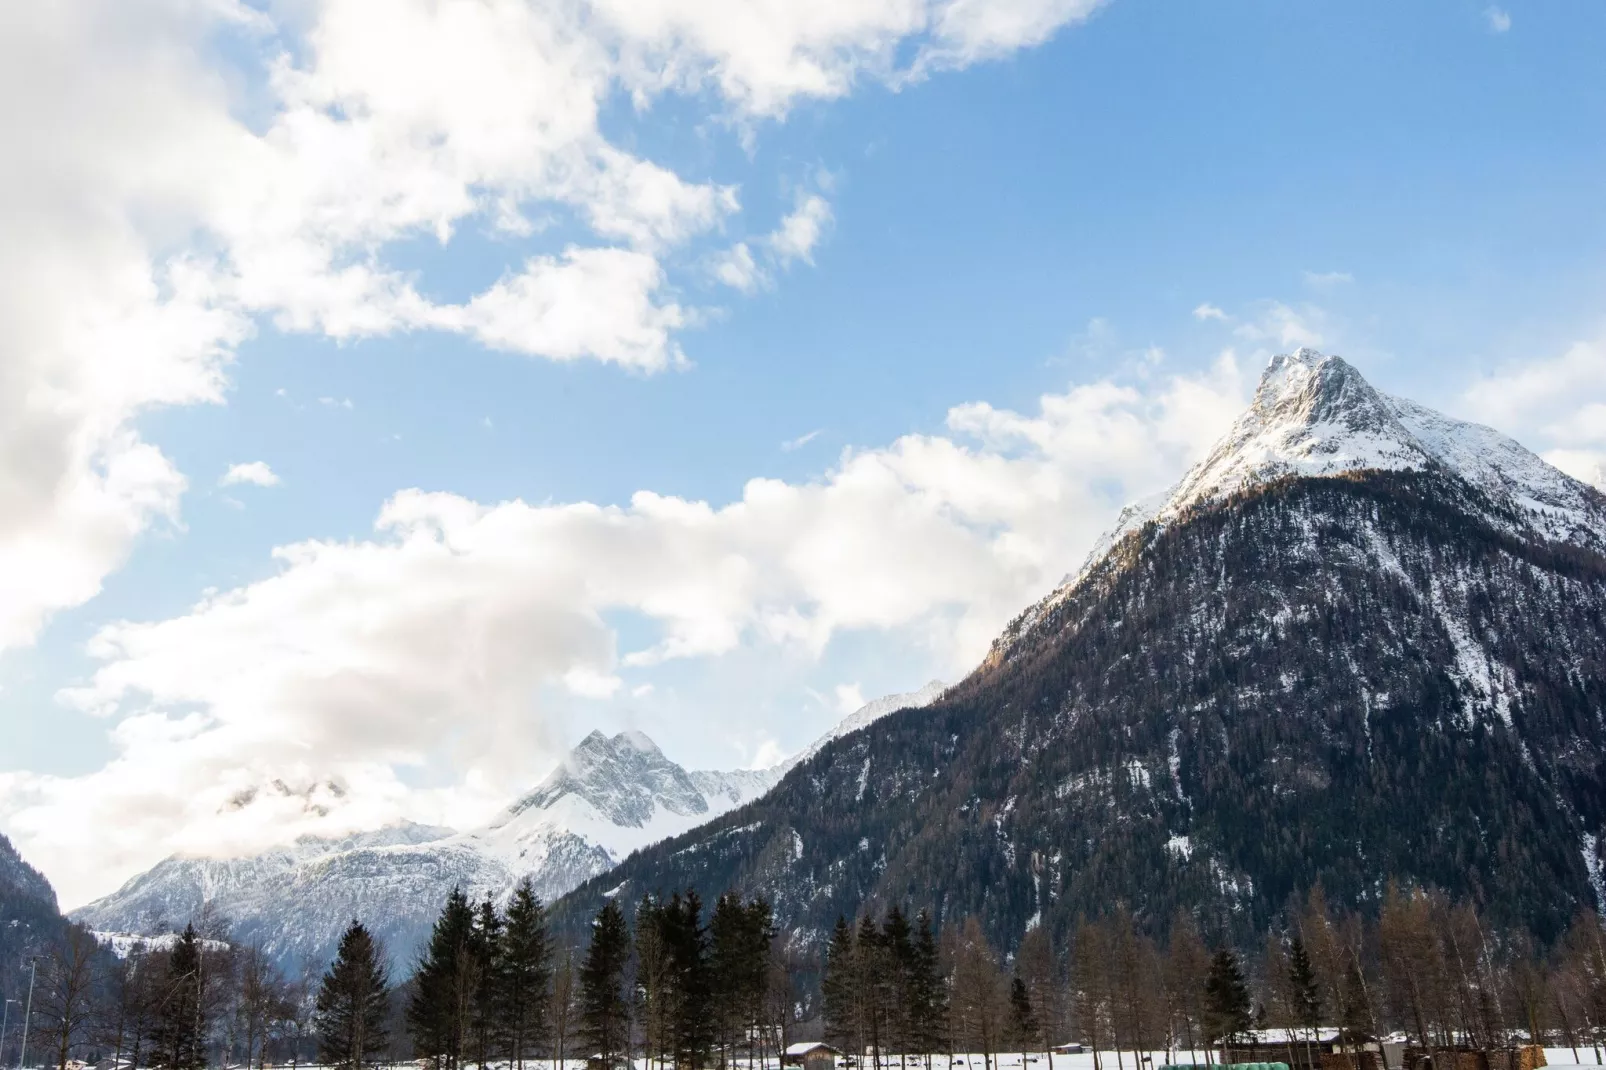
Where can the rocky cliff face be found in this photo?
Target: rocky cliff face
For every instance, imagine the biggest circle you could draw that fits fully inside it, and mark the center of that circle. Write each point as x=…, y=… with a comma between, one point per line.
x=1360, y=640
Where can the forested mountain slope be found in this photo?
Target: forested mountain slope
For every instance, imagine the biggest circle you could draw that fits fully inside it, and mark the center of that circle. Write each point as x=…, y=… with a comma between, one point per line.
x=1359, y=641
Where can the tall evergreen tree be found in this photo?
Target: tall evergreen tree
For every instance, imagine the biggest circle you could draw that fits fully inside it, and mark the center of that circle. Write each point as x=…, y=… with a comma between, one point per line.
x=438, y=1014
x=686, y=941
x=179, y=1041
x=1227, y=1010
x=524, y=977
x=839, y=990
x=485, y=950
x=604, y=1014
x=1304, y=991
x=898, y=953
x=1023, y=1027
x=928, y=993
x=353, y=1003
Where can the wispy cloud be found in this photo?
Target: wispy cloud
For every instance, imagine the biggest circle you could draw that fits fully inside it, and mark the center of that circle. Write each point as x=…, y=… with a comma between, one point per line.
x=802, y=230
x=802, y=440
x=1207, y=311
x=255, y=473
x=1497, y=18
x=1326, y=280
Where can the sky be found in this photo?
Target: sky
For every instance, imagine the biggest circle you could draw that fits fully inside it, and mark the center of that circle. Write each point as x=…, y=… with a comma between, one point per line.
x=394, y=391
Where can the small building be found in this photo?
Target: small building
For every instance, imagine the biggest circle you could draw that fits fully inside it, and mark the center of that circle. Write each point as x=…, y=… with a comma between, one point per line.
x=811, y=1055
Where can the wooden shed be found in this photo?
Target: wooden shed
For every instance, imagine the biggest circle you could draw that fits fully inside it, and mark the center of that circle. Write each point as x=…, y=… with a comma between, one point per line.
x=811, y=1055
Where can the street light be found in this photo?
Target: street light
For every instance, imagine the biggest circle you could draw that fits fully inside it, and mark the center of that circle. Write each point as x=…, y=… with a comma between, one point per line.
x=5, y=1024
x=27, y=1014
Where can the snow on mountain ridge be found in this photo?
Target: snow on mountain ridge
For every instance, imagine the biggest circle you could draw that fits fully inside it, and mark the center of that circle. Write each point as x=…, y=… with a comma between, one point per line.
x=870, y=712
x=608, y=797
x=1314, y=415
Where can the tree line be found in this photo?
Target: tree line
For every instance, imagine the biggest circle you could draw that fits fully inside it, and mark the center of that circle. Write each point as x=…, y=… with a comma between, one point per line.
x=682, y=986
x=1426, y=968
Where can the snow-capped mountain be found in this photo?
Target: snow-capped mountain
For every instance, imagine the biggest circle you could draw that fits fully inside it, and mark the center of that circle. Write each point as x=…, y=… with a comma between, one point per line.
x=1314, y=415
x=1360, y=641
x=866, y=715
x=608, y=797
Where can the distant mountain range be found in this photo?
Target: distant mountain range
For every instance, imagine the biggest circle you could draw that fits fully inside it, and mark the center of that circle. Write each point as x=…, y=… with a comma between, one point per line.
x=609, y=797
x=1359, y=640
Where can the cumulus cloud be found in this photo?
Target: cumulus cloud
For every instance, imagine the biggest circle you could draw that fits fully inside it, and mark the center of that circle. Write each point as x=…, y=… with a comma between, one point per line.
x=166, y=194
x=1206, y=311
x=1555, y=403
x=1284, y=326
x=802, y=230
x=435, y=645
x=256, y=473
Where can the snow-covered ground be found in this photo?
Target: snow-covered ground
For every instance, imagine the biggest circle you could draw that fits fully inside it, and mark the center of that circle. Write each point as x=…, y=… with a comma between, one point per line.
x=1107, y=1060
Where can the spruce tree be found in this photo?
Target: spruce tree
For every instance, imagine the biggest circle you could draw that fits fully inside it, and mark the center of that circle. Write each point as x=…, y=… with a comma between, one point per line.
x=524, y=977
x=179, y=1040
x=898, y=954
x=604, y=1015
x=438, y=1014
x=1304, y=992
x=1227, y=1010
x=839, y=990
x=353, y=1003
x=1023, y=1025
x=485, y=949
x=928, y=992
x=686, y=941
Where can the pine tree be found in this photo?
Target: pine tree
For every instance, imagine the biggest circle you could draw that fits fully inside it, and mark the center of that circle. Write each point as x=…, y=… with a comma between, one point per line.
x=839, y=991
x=928, y=992
x=179, y=1042
x=524, y=978
x=1227, y=1010
x=438, y=1015
x=486, y=957
x=686, y=941
x=898, y=954
x=1305, y=993
x=1023, y=1026
x=353, y=1008
x=604, y=1015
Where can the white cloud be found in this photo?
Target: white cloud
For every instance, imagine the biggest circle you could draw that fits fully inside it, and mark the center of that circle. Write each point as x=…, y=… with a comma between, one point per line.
x=737, y=268
x=1497, y=19
x=800, y=441
x=849, y=697
x=256, y=473
x=1557, y=404
x=1206, y=311
x=436, y=648
x=1327, y=280
x=1284, y=327
x=179, y=170
x=801, y=230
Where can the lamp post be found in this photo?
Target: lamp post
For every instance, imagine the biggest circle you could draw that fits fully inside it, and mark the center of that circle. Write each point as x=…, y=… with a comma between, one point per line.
x=5, y=1025
x=27, y=1014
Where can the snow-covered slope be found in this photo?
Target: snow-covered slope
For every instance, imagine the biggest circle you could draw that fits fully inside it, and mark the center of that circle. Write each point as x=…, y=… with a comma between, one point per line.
x=1315, y=415
x=608, y=797
x=869, y=713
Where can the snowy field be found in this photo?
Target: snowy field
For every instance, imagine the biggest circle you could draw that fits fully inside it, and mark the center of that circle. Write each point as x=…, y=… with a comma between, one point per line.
x=1562, y=1058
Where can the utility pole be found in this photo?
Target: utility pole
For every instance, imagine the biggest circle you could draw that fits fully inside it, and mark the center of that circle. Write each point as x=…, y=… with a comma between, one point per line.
x=27, y=1015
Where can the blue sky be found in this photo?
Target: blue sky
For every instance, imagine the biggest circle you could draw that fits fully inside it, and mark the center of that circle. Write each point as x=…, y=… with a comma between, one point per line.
x=1150, y=199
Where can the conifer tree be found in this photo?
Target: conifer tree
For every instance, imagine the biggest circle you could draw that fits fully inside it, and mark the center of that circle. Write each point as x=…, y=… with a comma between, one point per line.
x=524, y=976
x=353, y=1003
x=1227, y=1011
x=1023, y=1027
x=839, y=991
x=898, y=953
x=179, y=1042
x=686, y=941
x=486, y=967
x=1304, y=992
x=438, y=1014
x=604, y=1015
x=928, y=992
